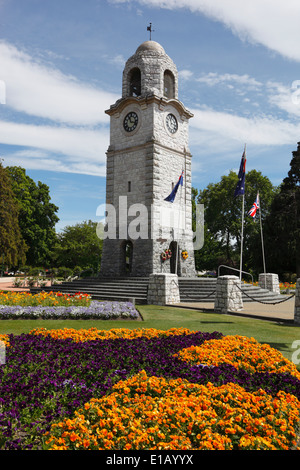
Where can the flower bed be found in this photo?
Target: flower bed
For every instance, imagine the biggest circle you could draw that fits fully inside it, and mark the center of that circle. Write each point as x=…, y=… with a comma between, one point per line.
x=94, y=310
x=145, y=389
x=242, y=353
x=154, y=413
x=44, y=299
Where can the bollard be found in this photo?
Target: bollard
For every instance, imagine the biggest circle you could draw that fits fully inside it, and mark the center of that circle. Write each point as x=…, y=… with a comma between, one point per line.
x=163, y=289
x=228, y=294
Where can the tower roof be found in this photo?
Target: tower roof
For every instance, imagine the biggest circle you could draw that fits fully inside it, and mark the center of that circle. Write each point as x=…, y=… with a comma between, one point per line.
x=152, y=46
x=150, y=71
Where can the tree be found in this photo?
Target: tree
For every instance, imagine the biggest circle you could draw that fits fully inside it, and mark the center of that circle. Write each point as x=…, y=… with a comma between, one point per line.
x=37, y=216
x=211, y=254
x=283, y=223
x=12, y=244
x=223, y=215
x=78, y=245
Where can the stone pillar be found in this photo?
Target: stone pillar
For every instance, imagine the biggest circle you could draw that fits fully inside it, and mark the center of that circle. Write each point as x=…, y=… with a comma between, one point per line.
x=269, y=281
x=297, y=302
x=228, y=296
x=163, y=289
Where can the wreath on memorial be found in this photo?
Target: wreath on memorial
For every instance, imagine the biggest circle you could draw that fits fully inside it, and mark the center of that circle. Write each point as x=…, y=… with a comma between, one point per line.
x=184, y=254
x=166, y=255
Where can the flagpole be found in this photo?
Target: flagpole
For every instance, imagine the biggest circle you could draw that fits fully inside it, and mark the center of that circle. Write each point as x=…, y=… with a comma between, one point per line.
x=242, y=237
x=242, y=234
x=262, y=241
x=177, y=243
x=171, y=198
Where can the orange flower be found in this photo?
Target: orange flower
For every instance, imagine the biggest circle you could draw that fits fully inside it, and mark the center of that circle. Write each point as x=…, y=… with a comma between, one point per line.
x=242, y=353
x=73, y=437
x=183, y=416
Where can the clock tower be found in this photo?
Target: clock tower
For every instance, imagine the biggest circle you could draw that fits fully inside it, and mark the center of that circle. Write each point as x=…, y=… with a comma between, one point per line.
x=147, y=156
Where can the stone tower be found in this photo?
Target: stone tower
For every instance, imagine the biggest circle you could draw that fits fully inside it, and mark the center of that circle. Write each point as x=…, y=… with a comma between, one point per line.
x=148, y=152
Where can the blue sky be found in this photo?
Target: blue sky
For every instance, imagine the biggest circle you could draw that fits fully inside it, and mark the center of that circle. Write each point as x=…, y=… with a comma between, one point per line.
x=61, y=64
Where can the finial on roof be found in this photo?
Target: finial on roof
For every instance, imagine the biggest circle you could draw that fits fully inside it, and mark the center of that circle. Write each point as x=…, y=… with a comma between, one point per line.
x=149, y=28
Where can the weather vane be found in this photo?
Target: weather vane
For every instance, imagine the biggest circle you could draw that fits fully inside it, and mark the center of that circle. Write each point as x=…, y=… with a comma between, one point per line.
x=149, y=28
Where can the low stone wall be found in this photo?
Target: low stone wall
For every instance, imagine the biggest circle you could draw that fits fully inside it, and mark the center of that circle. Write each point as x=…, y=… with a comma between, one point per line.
x=228, y=296
x=269, y=281
x=297, y=302
x=163, y=289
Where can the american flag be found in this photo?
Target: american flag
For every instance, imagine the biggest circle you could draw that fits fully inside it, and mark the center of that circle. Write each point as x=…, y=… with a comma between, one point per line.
x=254, y=208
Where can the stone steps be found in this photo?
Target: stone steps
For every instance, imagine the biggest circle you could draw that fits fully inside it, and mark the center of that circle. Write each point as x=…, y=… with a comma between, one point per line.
x=203, y=290
x=191, y=289
x=121, y=289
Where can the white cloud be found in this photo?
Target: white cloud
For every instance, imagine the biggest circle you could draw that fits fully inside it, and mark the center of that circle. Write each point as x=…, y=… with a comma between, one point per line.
x=56, y=148
x=45, y=92
x=118, y=60
x=51, y=163
x=78, y=136
x=285, y=98
x=263, y=130
x=272, y=23
x=213, y=78
x=185, y=74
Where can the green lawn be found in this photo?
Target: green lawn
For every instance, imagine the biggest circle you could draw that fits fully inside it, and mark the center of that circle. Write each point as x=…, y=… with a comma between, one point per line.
x=278, y=335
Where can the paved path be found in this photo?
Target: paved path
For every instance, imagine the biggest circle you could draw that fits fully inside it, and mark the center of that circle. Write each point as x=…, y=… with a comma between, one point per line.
x=7, y=283
x=280, y=311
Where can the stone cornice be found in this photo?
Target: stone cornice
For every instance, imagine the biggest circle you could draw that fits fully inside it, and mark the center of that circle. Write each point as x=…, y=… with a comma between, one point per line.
x=144, y=101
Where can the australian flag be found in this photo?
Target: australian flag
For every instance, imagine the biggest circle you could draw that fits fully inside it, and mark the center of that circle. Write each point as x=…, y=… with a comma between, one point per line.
x=254, y=208
x=172, y=195
x=240, y=187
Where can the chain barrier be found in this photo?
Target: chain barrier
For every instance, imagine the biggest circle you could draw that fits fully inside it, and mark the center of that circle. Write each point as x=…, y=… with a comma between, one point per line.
x=206, y=297
x=243, y=292
x=188, y=296
x=267, y=303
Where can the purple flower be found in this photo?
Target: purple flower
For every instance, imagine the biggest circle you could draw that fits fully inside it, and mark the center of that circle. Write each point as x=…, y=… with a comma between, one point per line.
x=100, y=310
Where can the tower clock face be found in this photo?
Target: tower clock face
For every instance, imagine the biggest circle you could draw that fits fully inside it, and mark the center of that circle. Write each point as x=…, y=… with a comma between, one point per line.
x=130, y=121
x=172, y=124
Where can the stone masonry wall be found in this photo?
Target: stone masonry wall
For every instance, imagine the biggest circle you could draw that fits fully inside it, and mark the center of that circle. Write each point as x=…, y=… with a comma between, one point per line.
x=269, y=281
x=163, y=289
x=152, y=63
x=228, y=296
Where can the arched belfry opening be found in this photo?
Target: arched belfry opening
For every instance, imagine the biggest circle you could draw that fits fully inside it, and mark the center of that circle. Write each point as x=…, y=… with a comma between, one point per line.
x=169, y=84
x=135, y=83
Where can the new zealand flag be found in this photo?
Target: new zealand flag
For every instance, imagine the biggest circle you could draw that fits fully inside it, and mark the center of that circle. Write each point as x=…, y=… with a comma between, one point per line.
x=240, y=187
x=172, y=195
